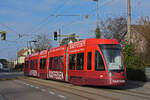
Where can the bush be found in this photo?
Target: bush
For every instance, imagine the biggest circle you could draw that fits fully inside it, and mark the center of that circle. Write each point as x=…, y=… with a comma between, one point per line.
x=19, y=67
x=135, y=75
x=135, y=64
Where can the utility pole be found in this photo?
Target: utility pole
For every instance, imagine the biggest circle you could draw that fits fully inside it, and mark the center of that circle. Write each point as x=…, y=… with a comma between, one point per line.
x=17, y=55
x=97, y=14
x=97, y=31
x=129, y=20
x=59, y=36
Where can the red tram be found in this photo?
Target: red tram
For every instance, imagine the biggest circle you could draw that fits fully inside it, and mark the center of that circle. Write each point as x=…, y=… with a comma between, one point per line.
x=88, y=62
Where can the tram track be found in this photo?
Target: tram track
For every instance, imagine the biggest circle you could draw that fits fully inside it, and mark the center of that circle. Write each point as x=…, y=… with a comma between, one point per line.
x=71, y=90
x=132, y=93
x=146, y=94
x=72, y=87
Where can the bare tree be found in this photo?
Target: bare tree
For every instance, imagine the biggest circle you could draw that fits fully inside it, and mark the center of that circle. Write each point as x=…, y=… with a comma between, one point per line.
x=43, y=42
x=68, y=39
x=143, y=27
x=143, y=21
x=97, y=32
x=114, y=28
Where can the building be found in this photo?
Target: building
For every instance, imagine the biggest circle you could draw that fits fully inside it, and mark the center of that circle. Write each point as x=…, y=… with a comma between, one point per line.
x=1, y=66
x=21, y=55
x=137, y=37
x=4, y=64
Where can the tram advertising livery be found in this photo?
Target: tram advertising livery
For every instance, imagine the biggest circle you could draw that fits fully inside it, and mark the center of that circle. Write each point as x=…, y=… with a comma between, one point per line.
x=92, y=61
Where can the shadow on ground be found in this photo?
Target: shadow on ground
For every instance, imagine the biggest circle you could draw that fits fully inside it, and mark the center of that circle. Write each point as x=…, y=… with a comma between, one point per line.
x=129, y=85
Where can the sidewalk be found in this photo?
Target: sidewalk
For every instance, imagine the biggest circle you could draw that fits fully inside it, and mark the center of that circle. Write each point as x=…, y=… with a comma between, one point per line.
x=6, y=73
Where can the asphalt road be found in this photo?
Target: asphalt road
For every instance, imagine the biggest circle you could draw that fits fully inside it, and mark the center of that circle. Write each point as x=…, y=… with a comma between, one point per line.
x=12, y=88
x=15, y=86
x=11, y=75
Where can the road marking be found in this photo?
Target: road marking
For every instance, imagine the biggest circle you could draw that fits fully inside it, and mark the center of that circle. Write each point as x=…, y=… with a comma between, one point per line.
x=51, y=92
x=24, y=83
x=31, y=86
x=37, y=87
x=43, y=90
x=27, y=84
x=61, y=96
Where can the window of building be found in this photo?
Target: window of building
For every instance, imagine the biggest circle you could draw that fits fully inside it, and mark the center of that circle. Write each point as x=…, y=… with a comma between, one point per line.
x=80, y=61
x=89, y=60
x=99, y=64
x=72, y=62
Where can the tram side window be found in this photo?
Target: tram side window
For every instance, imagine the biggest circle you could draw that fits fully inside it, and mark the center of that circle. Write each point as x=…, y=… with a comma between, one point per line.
x=72, y=62
x=50, y=62
x=31, y=64
x=89, y=60
x=35, y=64
x=80, y=61
x=41, y=63
x=99, y=64
x=55, y=65
x=61, y=63
x=44, y=63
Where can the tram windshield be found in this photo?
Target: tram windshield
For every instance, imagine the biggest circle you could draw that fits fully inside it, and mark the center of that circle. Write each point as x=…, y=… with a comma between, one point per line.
x=112, y=55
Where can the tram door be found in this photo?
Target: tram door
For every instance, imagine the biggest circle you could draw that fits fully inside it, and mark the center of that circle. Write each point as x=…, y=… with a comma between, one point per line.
x=89, y=65
x=89, y=59
x=99, y=66
x=76, y=67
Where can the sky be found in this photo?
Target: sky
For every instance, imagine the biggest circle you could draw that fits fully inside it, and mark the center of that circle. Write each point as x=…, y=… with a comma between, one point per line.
x=32, y=17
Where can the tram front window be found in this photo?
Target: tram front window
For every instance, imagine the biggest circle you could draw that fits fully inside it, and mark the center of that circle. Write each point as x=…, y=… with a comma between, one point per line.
x=113, y=57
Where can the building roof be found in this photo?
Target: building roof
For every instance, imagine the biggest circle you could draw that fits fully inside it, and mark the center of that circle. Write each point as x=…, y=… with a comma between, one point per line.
x=22, y=51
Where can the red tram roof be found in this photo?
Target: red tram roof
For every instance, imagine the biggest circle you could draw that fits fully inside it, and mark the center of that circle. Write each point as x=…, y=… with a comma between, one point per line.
x=101, y=41
x=34, y=54
x=43, y=54
x=74, y=45
x=60, y=48
x=91, y=41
